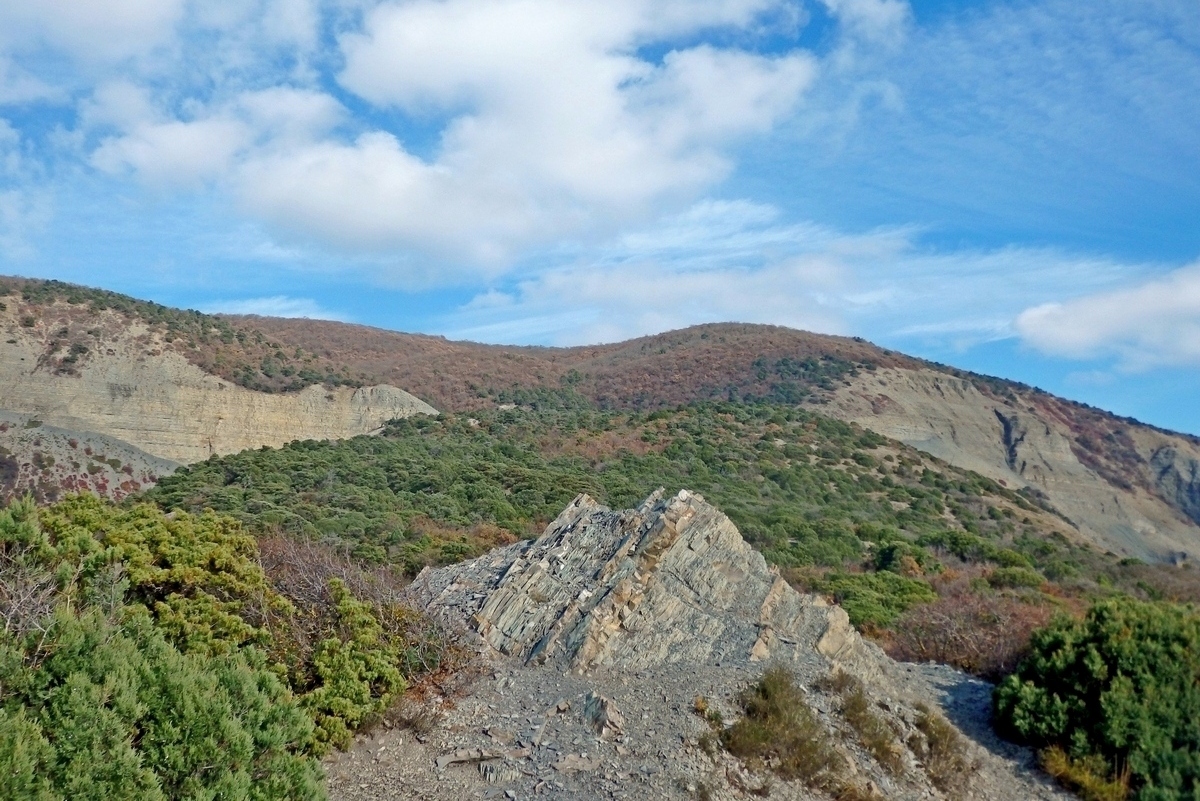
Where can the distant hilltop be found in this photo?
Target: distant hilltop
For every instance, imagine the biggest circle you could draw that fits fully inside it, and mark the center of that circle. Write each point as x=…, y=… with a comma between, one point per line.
x=181, y=385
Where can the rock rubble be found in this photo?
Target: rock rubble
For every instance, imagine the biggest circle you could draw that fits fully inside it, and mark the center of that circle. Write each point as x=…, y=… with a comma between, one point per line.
x=601, y=635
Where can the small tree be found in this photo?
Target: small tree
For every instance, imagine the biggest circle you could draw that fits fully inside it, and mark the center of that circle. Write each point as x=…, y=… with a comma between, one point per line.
x=1119, y=690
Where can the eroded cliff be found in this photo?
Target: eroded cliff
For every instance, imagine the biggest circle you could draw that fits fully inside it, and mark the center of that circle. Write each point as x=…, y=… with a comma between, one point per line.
x=1137, y=496
x=124, y=384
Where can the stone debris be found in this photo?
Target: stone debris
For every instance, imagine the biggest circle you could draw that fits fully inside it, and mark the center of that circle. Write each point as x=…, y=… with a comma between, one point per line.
x=629, y=617
x=602, y=714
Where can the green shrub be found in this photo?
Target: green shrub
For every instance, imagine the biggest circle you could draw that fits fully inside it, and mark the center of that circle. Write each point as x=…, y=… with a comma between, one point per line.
x=875, y=599
x=113, y=617
x=358, y=672
x=96, y=709
x=780, y=731
x=1120, y=688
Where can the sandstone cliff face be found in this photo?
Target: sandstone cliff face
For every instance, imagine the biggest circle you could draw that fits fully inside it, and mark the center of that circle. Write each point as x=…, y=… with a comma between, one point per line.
x=595, y=641
x=1148, y=509
x=130, y=388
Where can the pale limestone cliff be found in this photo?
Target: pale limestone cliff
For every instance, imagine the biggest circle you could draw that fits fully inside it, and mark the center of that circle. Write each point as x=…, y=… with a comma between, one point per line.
x=132, y=389
x=1020, y=443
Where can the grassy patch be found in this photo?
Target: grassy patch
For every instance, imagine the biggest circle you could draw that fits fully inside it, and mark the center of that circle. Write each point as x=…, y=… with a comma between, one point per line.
x=781, y=732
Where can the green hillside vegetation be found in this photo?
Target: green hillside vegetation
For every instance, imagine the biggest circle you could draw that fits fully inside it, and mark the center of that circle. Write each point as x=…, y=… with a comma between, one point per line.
x=152, y=656
x=1114, y=699
x=878, y=526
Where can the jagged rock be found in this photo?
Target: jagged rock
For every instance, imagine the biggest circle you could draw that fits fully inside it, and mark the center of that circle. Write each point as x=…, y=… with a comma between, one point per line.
x=671, y=582
x=646, y=610
x=602, y=713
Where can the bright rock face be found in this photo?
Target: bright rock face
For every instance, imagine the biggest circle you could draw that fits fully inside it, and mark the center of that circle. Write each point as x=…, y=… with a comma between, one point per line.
x=135, y=391
x=671, y=582
x=1152, y=511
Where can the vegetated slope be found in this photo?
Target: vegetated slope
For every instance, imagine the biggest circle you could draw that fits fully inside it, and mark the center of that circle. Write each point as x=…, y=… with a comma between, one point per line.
x=880, y=526
x=47, y=462
x=106, y=372
x=1130, y=488
x=239, y=354
x=704, y=362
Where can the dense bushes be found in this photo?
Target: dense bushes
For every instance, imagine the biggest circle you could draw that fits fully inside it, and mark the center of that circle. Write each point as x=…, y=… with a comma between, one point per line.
x=113, y=686
x=804, y=489
x=842, y=511
x=151, y=656
x=1116, y=692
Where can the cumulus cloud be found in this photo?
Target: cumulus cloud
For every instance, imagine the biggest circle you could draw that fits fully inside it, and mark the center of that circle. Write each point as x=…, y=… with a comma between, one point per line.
x=1156, y=323
x=550, y=122
x=552, y=125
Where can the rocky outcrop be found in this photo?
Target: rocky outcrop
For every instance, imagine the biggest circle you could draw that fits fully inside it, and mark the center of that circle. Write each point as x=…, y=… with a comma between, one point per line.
x=1147, y=506
x=671, y=582
x=132, y=389
x=610, y=648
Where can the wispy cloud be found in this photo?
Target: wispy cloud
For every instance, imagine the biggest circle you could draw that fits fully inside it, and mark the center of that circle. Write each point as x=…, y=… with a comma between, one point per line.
x=1151, y=324
x=275, y=306
x=737, y=260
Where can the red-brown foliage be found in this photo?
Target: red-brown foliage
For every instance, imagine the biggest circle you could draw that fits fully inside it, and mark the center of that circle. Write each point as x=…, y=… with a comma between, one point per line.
x=972, y=628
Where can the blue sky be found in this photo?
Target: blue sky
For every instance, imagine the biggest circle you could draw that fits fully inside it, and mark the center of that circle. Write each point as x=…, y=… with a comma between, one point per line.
x=1009, y=187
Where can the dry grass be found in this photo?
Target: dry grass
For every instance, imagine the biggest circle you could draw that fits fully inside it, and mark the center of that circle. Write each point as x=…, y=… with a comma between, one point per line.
x=1085, y=777
x=872, y=730
x=943, y=752
x=781, y=732
x=986, y=634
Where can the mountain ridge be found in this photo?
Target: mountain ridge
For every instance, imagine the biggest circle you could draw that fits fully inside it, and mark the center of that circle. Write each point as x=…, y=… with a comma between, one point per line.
x=1134, y=489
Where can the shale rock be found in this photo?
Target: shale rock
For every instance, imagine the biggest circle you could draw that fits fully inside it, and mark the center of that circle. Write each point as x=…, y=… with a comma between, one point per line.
x=658, y=612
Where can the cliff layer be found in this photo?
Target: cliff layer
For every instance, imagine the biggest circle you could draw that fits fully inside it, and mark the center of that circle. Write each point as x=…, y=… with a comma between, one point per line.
x=124, y=384
x=1129, y=488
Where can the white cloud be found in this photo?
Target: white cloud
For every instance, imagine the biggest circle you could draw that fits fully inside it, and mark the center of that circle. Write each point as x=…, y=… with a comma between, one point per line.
x=554, y=127
x=91, y=30
x=274, y=306
x=175, y=153
x=550, y=125
x=1156, y=323
x=877, y=20
x=737, y=260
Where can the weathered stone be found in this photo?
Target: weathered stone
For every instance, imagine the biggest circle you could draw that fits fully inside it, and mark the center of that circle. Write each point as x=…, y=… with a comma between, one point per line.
x=602, y=714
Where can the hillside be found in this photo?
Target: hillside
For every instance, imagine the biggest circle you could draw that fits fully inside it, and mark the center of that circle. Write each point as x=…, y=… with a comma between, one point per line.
x=1129, y=487
x=202, y=385
x=111, y=372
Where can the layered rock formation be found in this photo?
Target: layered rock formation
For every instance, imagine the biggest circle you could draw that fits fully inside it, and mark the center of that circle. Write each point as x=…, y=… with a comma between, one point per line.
x=1146, y=506
x=597, y=644
x=130, y=388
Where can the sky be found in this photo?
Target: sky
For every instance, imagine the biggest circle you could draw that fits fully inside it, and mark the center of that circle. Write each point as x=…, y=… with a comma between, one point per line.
x=1008, y=187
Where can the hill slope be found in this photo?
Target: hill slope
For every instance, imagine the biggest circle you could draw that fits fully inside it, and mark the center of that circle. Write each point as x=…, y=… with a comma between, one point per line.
x=1129, y=487
x=182, y=385
x=115, y=374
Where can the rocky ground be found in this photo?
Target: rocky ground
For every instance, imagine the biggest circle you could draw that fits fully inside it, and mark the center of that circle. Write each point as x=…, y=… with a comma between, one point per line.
x=594, y=643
